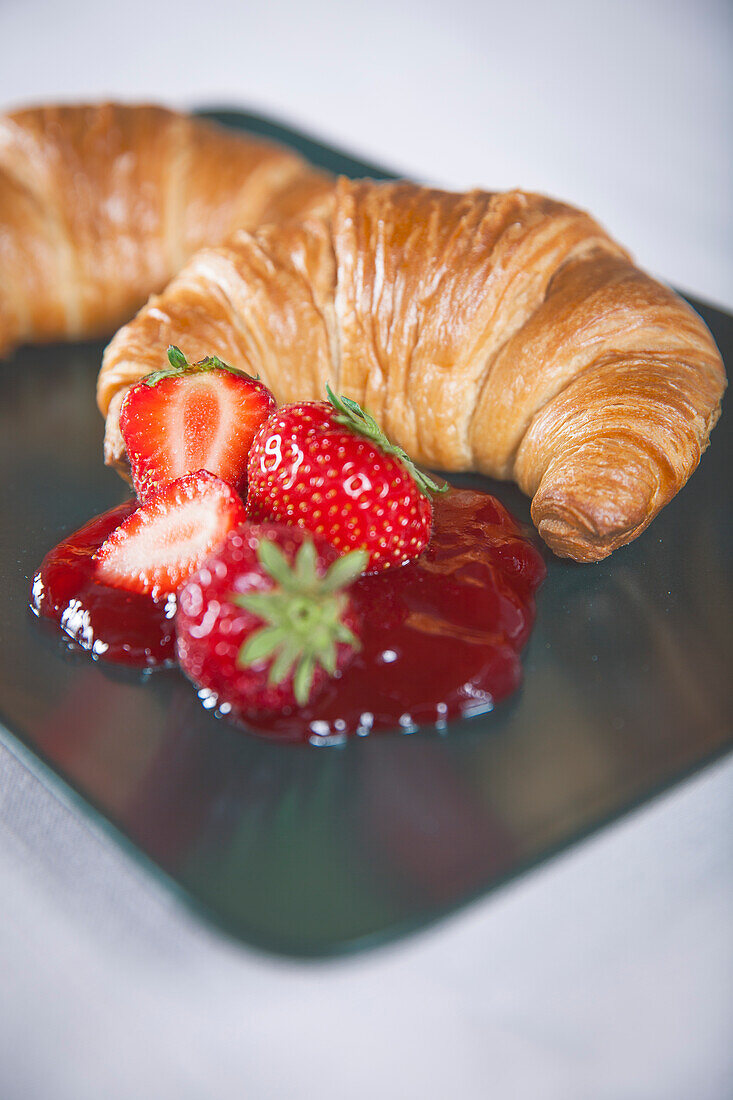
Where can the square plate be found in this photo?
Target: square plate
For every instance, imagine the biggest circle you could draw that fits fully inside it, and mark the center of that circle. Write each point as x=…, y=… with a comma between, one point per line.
x=315, y=851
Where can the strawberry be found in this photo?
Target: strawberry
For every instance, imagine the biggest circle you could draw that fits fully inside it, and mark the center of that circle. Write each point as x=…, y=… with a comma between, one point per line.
x=268, y=619
x=189, y=417
x=168, y=536
x=328, y=467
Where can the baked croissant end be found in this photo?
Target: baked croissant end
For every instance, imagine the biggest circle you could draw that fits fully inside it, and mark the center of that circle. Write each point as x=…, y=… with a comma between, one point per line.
x=102, y=205
x=502, y=333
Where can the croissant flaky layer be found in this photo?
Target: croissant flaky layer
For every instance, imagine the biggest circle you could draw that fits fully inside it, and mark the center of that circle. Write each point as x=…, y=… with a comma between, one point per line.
x=102, y=205
x=503, y=333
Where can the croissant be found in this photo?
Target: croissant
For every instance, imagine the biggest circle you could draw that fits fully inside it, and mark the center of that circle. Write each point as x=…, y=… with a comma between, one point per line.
x=502, y=333
x=101, y=205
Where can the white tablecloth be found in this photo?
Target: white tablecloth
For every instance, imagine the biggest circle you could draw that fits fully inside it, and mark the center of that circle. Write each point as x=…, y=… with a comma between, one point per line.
x=607, y=973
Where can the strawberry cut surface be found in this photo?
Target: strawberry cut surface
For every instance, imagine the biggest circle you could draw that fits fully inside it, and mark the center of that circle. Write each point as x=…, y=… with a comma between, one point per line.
x=155, y=550
x=192, y=417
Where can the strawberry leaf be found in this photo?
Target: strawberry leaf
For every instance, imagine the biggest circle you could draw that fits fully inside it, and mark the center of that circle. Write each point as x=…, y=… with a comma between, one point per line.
x=176, y=358
x=285, y=658
x=262, y=644
x=303, y=679
x=345, y=570
x=351, y=415
x=305, y=564
x=302, y=615
x=274, y=562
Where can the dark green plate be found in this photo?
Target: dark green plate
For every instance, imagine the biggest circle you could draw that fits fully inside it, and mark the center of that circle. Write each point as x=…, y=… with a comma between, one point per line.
x=313, y=851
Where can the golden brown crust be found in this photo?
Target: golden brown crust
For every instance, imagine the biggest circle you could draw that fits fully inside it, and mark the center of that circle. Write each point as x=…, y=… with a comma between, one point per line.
x=101, y=205
x=505, y=333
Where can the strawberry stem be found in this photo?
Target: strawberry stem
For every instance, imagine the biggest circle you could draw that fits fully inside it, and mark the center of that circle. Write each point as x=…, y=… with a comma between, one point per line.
x=351, y=415
x=180, y=365
x=303, y=615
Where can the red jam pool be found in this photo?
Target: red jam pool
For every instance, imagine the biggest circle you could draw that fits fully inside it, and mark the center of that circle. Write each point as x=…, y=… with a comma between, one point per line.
x=442, y=635
x=124, y=627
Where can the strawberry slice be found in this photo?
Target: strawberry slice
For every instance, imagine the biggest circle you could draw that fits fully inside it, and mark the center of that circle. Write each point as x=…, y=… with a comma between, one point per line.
x=157, y=548
x=192, y=416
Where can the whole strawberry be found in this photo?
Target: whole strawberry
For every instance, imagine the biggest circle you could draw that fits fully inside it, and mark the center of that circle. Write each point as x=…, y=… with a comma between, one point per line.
x=189, y=417
x=268, y=619
x=328, y=467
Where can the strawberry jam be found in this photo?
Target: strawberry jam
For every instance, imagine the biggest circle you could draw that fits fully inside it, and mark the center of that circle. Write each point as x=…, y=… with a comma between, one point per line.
x=124, y=627
x=441, y=636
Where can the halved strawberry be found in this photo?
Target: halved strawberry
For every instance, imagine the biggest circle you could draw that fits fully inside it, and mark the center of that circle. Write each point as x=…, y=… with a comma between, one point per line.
x=168, y=536
x=192, y=416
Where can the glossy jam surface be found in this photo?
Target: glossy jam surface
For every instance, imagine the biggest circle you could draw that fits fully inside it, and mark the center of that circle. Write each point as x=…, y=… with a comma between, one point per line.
x=442, y=635
x=119, y=626
x=441, y=639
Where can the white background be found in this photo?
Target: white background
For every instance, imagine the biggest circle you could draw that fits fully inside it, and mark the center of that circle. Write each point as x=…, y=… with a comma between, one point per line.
x=609, y=972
